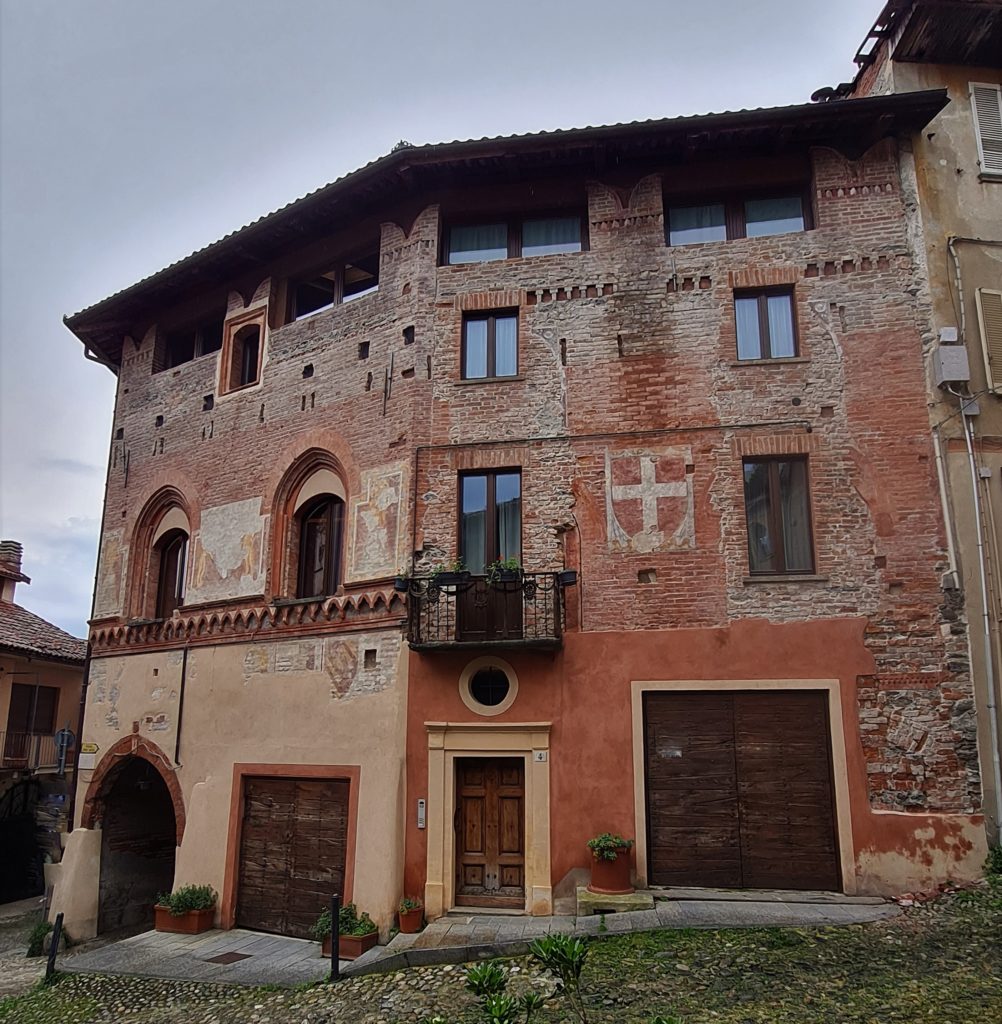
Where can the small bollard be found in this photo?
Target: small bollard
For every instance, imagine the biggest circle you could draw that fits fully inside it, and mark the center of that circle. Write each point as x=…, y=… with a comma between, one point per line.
x=57, y=934
x=335, y=938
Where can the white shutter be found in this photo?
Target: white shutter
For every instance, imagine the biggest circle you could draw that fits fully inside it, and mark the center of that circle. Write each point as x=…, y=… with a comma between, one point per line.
x=986, y=105
x=989, y=304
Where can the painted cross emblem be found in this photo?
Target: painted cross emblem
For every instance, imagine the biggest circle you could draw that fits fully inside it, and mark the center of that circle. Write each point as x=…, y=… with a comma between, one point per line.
x=649, y=500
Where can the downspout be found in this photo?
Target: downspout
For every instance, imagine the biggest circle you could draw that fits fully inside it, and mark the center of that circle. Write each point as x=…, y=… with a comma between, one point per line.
x=951, y=549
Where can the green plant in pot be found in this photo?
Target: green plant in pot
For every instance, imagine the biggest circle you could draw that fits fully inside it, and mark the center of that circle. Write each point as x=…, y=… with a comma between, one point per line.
x=610, y=868
x=187, y=910
x=449, y=574
x=504, y=570
x=358, y=931
x=410, y=912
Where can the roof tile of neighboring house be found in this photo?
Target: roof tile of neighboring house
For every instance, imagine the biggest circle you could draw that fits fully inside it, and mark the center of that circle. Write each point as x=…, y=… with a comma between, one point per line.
x=24, y=632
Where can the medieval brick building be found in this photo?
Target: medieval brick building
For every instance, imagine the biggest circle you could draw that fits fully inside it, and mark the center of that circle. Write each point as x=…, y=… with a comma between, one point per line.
x=507, y=492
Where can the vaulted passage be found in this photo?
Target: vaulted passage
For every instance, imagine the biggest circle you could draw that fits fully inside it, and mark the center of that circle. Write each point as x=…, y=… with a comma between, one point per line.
x=293, y=845
x=739, y=790
x=138, y=845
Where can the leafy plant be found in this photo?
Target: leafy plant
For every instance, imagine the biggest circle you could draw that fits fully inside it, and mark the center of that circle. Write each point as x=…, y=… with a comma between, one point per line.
x=993, y=865
x=408, y=903
x=36, y=938
x=496, y=568
x=564, y=957
x=456, y=565
x=350, y=922
x=188, y=897
x=661, y=1019
x=607, y=846
x=501, y=1009
x=486, y=979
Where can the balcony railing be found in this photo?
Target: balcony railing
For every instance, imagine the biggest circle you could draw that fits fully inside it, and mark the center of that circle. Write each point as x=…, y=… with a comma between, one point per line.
x=516, y=609
x=28, y=751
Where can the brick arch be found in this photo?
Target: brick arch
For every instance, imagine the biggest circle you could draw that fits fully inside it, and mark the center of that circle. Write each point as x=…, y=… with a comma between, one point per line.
x=108, y=770
x=140, y=596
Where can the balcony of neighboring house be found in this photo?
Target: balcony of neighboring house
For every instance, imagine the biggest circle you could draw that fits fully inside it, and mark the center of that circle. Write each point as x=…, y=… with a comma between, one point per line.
x=28, y=751
x=502, y=608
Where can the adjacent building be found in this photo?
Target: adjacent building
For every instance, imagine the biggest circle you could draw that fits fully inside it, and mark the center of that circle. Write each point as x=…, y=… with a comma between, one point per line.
x=507, y=492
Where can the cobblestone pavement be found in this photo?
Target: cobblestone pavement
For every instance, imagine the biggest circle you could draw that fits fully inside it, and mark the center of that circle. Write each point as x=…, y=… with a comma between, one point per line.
x=18, y=973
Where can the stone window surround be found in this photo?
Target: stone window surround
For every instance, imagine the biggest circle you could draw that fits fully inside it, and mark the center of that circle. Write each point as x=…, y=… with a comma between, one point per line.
x=466, y=678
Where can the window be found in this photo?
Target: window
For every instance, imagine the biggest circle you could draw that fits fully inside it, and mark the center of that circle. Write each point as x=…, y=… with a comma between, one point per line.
x=490, y=345
x=500, y=239
x=778, y=515
x=182, y=345
x=739, y=217
x=490, y=512
x=986, y=105
x=320, y=528
x=342, y=283
x=172, y=552
x=765, y=325
x=32, y=709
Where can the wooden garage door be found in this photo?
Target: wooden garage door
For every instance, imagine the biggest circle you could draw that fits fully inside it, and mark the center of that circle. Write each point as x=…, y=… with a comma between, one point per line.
x=292, y=852
x=739, y=790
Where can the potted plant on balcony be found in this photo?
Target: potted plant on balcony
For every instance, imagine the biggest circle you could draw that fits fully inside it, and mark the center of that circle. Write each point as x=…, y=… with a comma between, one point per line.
x=188, y=910
x=610, y=869
x=504, y=570
x=444, y=575
x=410, y=911
x=358, y=932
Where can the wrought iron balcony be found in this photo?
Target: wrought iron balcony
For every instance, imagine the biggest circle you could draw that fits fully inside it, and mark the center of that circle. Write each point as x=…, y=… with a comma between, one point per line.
x=514, y=609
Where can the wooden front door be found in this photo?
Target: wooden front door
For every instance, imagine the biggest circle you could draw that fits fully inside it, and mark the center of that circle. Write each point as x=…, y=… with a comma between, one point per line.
x=490, y=832
x=292, y=852
x=739, y=790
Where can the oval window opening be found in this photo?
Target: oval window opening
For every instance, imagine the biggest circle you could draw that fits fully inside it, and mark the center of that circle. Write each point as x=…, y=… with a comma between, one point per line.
x=489, y=687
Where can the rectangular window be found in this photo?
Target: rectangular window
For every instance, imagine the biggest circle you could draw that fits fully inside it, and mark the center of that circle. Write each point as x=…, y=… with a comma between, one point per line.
x=777, y=510
x=765, y=325
x=490, y=514
x=736, y=217
x=490, y=345
x=32, y=709
x=184, y=344
x=986, y=106
x=341, y=283
x=501, y=239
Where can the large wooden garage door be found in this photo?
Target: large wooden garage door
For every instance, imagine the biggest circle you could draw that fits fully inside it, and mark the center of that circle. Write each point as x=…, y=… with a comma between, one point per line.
x=292, y=852
x=739, y=790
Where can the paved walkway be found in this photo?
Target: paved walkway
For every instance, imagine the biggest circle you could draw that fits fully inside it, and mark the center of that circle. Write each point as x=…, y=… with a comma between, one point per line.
x=232, y=957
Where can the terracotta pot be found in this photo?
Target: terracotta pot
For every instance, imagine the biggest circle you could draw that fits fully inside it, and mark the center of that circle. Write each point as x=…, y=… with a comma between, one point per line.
x=189, y=923
x=611, y=877
x=352, y=946
x=410, y=920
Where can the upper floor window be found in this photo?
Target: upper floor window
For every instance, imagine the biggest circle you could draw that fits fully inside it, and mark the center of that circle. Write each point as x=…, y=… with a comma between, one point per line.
x=243, y=350
x=341, y=283
x=172, y=553
x=501, y=239
x=490, y=513
x=490, y=345
x=739, y=217
x=777, y=508
x=765, y=324
x=986, y=105
x=32, y=709
x=321, y=525
x=183, y=344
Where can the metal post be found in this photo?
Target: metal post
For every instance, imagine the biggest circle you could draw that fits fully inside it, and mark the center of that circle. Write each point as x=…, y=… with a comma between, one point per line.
x=335, y=937
x=57, y=934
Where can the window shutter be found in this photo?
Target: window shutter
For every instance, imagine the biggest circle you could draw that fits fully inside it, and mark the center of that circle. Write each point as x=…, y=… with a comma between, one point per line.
x=990, y=320
x=986, y=103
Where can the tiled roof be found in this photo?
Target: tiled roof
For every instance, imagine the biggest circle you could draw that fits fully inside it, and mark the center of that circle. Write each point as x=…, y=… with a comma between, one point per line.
x=24, y=632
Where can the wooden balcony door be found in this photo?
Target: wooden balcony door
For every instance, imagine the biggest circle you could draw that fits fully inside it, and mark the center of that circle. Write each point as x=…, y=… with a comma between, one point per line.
x=489, y=611
x=490, y=832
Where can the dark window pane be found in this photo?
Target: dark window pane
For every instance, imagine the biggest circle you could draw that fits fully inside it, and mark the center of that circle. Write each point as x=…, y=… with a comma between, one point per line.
x=489, y=687
x=774, y=216
x=781, y=340
x=777, y=508
x=180, y=347
x=689, y=224
x=795, y=516
x=475, y=341
x=320, y=547
x=747, y=324
x=22, y=699
x=170, y=588
x=508, y=496
x=761, y=544
x=249, y=341
x=473, y=527
x=361, y=277
x=505, y=346
x=46, y=700
x=475, y=243
x=313, y=295
x=210, y=337
x=552, y=234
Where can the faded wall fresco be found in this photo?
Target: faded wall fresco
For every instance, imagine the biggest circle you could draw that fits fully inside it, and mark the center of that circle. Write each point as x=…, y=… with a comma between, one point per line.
x=377, y=542
x=649, y=500
x=228, y=553
x=108, y=599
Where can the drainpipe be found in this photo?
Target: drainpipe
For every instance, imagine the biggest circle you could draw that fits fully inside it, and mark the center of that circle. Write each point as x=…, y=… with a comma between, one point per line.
x=951, y=550
x=991, y=705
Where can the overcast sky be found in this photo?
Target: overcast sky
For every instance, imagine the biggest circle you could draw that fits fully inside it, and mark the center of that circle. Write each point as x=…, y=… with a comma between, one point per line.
x=133, y=132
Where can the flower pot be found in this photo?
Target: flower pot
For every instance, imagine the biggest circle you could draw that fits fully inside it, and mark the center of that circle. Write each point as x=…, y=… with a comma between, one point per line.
x=189, y=923
x=567, y=577
x=352, y=946
x=450, y=579
x=611, y=877
x=410, y=920
x=401, y=584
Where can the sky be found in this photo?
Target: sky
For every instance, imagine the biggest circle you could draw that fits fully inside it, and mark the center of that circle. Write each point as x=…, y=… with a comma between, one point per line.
x=133, y=132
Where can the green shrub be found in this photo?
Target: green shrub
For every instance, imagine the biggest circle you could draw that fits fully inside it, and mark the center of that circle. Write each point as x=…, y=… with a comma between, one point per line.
x=36, y=938
x=486, y=979
x=564, y=956
x=350, y=920
x=188, y=897
x=409, y=903
x=607, y=846
x=993, y=866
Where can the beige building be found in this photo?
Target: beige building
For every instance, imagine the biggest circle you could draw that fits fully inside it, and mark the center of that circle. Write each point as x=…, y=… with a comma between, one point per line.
x=953, y=169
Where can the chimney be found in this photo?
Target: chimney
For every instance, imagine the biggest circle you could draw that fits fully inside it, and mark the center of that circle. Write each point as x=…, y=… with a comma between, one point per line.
x=10, y=569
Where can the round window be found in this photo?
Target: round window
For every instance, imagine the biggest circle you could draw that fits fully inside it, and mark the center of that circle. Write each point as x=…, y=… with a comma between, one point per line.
x=489, y=687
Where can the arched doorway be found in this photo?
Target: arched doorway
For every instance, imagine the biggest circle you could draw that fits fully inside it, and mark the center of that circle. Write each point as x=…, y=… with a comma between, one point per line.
x=138, y=845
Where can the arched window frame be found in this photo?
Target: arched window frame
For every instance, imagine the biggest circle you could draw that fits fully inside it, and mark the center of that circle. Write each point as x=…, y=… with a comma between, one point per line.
x=322, y=515
x=166, y=512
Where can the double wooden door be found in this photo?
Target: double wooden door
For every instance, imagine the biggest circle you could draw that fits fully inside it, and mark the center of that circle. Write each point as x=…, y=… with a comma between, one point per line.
x=490, y=832
x=739, y=790
x=293, y=845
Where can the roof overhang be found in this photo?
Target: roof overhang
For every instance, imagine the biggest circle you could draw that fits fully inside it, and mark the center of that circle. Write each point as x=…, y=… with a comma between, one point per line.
x=849, y=127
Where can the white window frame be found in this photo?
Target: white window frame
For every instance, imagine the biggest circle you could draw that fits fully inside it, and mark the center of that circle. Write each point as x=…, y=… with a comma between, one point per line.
x=981, y=130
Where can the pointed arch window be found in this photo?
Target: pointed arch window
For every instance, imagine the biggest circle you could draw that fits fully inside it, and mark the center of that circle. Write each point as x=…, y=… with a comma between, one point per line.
x=321, y=525
x=172, y=554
